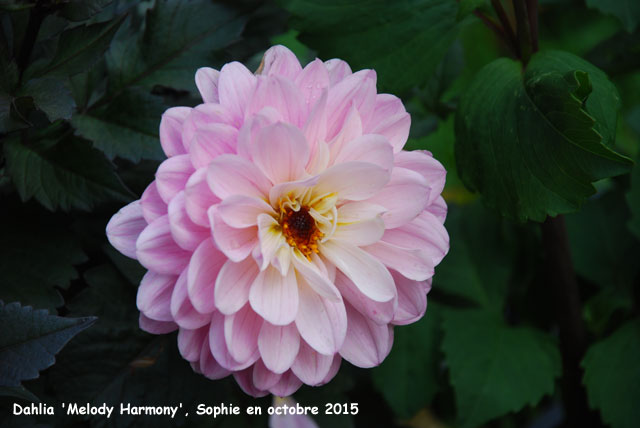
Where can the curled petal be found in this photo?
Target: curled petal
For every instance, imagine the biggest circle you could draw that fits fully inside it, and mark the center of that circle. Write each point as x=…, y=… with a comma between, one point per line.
x=412, y=299
x=233, y=284
x=236, y=244
x=230, y=175
x=152, y=204
x=182, y=311
x=378, y=312
x=172, y=175
x=171, y=130
x=241, y=334
x=156, y=327
x=278, y=345
x=366, y=344
x=235, y=87
x=157, y=251
x=310, y=366
x=422, y=162
x=204, y=267
x=125, y=227
x=207, y=83
x=154, y=296
x=279, y=60
x=190, y=343
x=287, y=385
x=198, y=198
x=185, y=232
x=275, y=296
x=281, y=152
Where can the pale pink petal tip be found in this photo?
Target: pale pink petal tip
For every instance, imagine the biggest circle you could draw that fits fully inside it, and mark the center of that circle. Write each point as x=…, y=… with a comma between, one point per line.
x=287, y=229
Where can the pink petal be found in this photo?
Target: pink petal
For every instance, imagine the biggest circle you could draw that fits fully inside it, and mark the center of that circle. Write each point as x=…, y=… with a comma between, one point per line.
x=360, y=233
x=204, y=267
x=202, y=115
x=311, y=82
x=154, y=296
x=157, y=251
x=263, y=378
x=274, y=296
x=287, y=385
x=281, y=152
x=172, y=175
x=183, y=312
x=236, y=244
x=152, y=204
x=350, y=130
x=271, y=242
x=379, y=312
x=322, y=323
x=171, y=130
x=353, y=180
x=367, y=344
x=233, y=284
x=439, y=209
x=338, y=70
x=186, y=233
x=218, y=346
x=279, y=60
x=209, y=367
x=315, y=132
x=241, y=211
x=352, y=212
x=156, y=327
x=405, y=196
x=211, y=141
x=280, y=94
x=235, y=88
x=412, y=263
x=412, y=300
x=310, y=366
x=369, y=148
x=367, y=273
x=190, y=343
x=198, y=198
x=247, y=135
x=232, y=175
x=333, y=370
x=359, y=90
x=278, y=346
x=207, y=83
x=318, y=280
x=241, y=334
x=125, y=227
x=245, y=381
x=422, y=162
x=390, y=119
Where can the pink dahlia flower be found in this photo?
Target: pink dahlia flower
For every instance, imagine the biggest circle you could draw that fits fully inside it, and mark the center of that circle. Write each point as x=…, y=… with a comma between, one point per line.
x=287, y=228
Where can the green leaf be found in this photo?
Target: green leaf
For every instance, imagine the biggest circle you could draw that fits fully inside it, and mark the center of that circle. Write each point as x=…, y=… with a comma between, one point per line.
x=35, y=257
x=51, y=95
x=78, y=49
x=534, y=143
x=478, y=264
x=468, y=6
x=127, y=127
x=62, y=174
x=633, y=199
x=404, y=41
x=612, y=376
x=495, y=368
x=179, y=37
x=31, y=339
x=627, y=11
x=408, y=376
x=81, y=10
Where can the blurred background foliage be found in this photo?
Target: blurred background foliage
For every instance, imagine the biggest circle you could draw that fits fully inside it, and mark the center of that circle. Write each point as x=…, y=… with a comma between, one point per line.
x=529, y=325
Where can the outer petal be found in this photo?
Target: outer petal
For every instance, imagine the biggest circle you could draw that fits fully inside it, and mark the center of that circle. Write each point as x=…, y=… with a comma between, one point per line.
x=211, y=141
x=367, y=273
x=245, y=381
x=182, y=311
x=241, y=334
x=207, y=83
x=281, y=152
x=367, y=344
x=359, y=90
x=310, y=366
x=338, y=70
x=125, y=227
x=280, y=94
x=422, y=162
x=152, y=204
x=311, y=82
x=190, y=343
x=360, y=233
x=204, y=267
x=198, y=198
x=412, y=263
x=236, y=244
x=242, y=211
x=279, y=60
x=156, y=327
x=233, y=284
x=378, y=312
x=322, y=323
x=390, y=119
x=209, y=367
x=232, y=175
x=439, y=209
x=369, y=148
x=412, y=300
x=172, y=175
x=355, y=181
x=187, y=234
x=274, y=296
x=171, y=130
x=278, y=346
x=287, y=385
x=157, y=251
x=154, y=296
x=218, y=346
x=235, y=87
x=263, y=378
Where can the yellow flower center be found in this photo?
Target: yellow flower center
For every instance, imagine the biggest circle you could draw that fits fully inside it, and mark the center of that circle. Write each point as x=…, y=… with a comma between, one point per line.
x=300, y=231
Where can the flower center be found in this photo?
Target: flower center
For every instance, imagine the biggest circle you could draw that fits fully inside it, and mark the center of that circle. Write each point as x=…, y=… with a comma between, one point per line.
x=300, y=231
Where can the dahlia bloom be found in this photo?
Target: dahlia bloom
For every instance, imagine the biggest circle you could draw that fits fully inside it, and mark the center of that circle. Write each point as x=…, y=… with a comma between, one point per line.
x=287, y=229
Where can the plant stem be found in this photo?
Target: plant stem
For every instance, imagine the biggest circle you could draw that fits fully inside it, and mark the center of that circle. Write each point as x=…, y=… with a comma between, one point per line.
x=568, y=308
x=506, y=25
x=532, y=13
x=522, y=30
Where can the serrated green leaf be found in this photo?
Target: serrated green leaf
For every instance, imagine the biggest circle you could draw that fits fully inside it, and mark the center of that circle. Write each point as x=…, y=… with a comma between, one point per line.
x=408, y=376
x=531, y=144
x=78, y=49
x=51, y=95
x=30, y=340
x=127, y=127
x=62, y=174
x=627, y=11
x=178, y=39
x=36, y=256
x=612, y=376
x=495, y=368
x=404, y=41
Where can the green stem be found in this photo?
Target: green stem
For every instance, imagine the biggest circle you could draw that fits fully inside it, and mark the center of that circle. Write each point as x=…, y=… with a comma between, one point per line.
x=522, y=30
x=506, y=25
x=532, y=12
